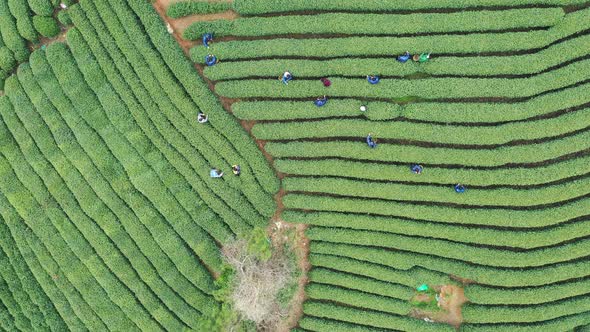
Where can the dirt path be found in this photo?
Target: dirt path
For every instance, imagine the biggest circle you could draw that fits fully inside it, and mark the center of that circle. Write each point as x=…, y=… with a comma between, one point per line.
x=277, y=226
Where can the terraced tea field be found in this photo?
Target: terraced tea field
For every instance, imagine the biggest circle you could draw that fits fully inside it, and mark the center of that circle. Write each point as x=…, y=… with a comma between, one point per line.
x=110, y=218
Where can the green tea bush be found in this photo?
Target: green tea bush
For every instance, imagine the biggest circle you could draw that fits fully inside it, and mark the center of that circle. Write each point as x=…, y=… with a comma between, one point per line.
x=186, y=8
x=41, y=7
x=7, y=61
x=46, y=26
x=530, y=218
x=22, y=14
x=249, y=7
x=64, y=18
x=380, y=24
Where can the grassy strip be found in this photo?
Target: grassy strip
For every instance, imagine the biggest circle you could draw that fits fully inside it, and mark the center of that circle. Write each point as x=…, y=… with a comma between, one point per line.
x=524, y=239
x=186, y=8
x=254, y=7
x=493, y=276
x=388, y=46
x=530, y=218
x=370, y=318
x=137, y=213
x=500, y=197
x=482, y=295
x=428, y=88
x=357, y=299
x=426, y=132
x=568, y=323
x=506, y=155
x=380, y=24
x=477, y=314
x=62, y=291
x=363, y=284
x=436, y=175
x=104, y=217
x=529, y=64
x=423, y=111
x=248, y=153
x=451, y=250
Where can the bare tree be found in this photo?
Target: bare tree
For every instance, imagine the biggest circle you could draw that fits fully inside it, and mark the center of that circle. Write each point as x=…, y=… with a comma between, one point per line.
x=257, y=284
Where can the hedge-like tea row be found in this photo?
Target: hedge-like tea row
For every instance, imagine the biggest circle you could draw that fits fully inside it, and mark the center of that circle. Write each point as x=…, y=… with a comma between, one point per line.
x=219, y=152
x=232, y=219
x=115, y=257
x=127, y=243
x=143, y=222
x=19, y=272
x=483, y=295
x=143, y=177
x=418, y=194
x=10, y=35
x=186, y=8
x=493, y=276
x=310, y=323
x=363, y=284
x=523, y=239
x=254, y=7
x=387, y=46
x=370, y=318
x=513, y=177
x=357, y=299
x=529, y=64
x=24, y=23
x=429, y=88
x=411, y=277
x=491, y=257
x=533, y=313
x=530, y=218
x=378, y=24
x=114, y=303
x=501, y=134
x=424, y=111
x=498, y=157
x=567, y=323
x=199, y=92
x=75, y=311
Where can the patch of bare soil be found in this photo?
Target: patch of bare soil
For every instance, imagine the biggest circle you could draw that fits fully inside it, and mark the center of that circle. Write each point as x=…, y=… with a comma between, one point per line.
x=450, y=300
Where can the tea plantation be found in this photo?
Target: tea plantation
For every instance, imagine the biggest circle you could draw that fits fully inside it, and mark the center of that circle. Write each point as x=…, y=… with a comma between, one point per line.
x=477, y=176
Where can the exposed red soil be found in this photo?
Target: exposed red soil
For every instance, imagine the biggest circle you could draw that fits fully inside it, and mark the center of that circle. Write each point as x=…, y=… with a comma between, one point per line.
x=450, y=303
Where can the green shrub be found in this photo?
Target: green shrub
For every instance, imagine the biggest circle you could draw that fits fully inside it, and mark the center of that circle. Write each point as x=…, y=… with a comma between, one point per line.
x=41, y=7
x=46, y=26
x=186, y=8
x=64, y=18
x=7, y=61
x=381, y=24
x=253, y=7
